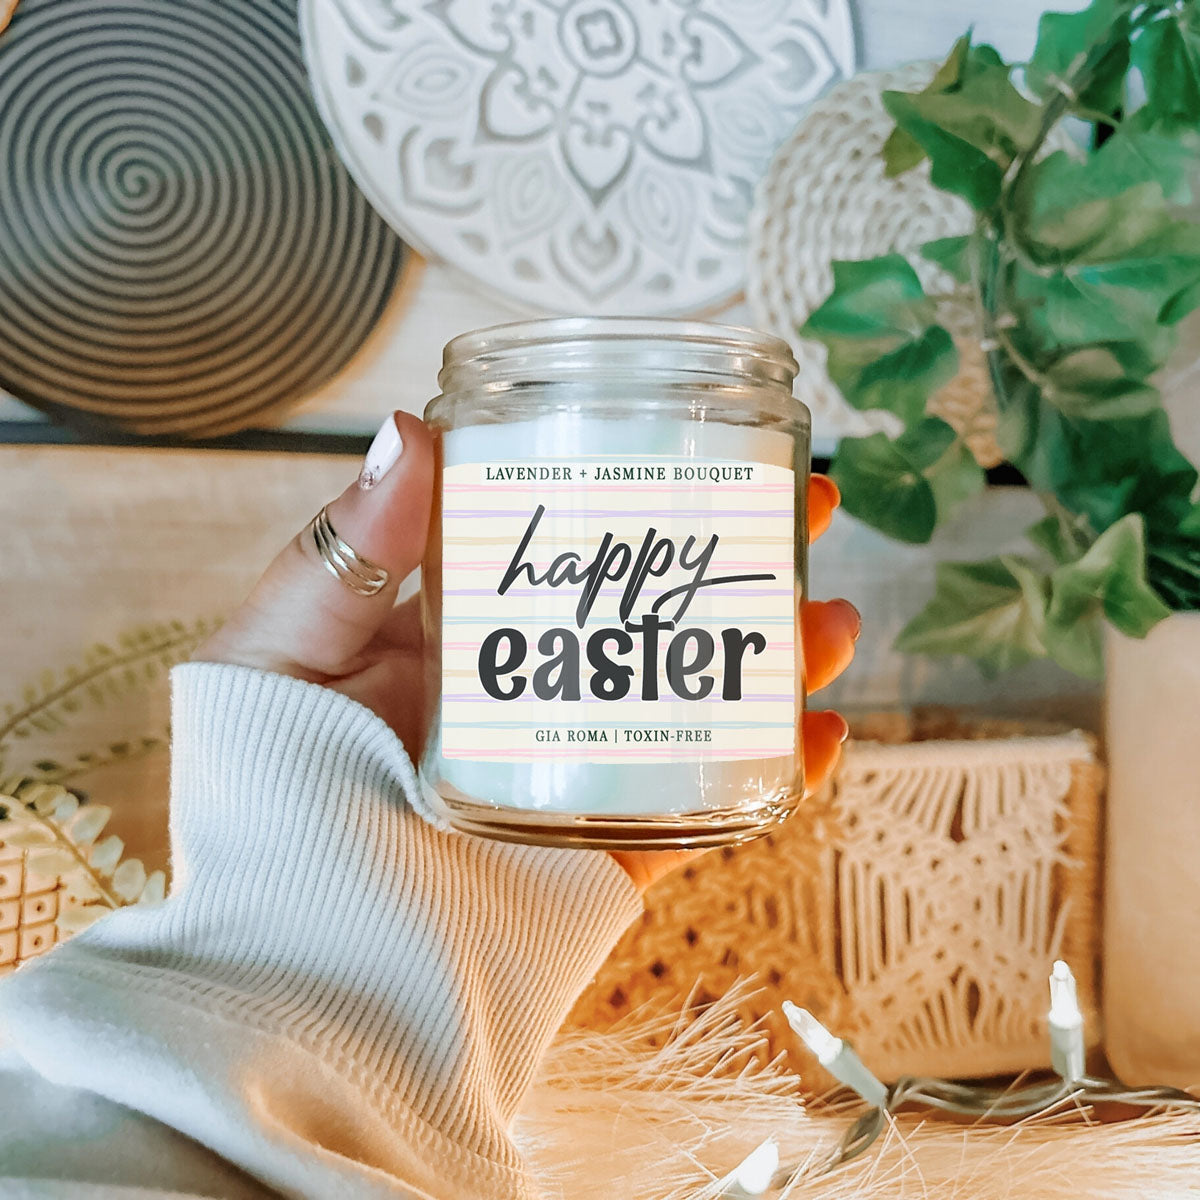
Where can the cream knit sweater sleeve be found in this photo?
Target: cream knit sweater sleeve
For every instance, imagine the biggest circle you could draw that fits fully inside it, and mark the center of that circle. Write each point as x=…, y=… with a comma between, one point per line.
x=337, y=999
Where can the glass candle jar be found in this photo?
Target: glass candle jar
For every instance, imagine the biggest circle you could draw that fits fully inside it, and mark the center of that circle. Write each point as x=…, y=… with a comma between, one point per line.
x=611, y=592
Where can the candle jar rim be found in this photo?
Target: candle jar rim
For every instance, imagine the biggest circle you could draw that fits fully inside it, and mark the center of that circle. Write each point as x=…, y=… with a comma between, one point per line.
x=584, y=354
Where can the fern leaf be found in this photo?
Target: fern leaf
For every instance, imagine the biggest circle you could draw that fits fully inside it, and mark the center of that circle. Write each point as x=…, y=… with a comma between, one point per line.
x=85, y=826
x=106, y=853
x=76, y=920
x=50, y=862
x=78, y=889
x=129, y=879
x=18, y=835
x=65, y=807
x=155, y=889
x=43, y=798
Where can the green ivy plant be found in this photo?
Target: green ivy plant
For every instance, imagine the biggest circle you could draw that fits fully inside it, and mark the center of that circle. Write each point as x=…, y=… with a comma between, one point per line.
x=1079, y=266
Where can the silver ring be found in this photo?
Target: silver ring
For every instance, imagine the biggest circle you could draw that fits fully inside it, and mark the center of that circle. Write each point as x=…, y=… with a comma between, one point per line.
x=360, y=575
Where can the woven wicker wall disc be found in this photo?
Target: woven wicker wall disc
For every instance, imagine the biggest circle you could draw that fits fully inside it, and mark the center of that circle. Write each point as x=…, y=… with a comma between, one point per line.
x=825, y=197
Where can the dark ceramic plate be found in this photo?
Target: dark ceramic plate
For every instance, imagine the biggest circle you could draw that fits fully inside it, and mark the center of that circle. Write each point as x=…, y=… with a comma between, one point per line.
x=181, y=250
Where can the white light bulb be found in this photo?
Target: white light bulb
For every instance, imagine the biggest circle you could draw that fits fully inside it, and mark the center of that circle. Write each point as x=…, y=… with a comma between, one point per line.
x=1064, y=1000
x=755, y=1172
x=812, y=1033
x=1068, y=1051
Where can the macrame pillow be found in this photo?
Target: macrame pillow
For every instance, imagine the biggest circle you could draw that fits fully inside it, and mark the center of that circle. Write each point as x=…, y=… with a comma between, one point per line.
x=915, y=906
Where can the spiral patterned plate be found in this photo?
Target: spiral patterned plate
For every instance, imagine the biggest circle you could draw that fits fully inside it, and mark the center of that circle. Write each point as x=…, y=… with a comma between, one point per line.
x=181, y=250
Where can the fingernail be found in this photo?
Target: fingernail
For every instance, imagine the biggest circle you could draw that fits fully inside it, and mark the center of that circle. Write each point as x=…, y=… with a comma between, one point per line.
x=857, y=617
x=827, y=484
x=385, y=450
x=845, y=733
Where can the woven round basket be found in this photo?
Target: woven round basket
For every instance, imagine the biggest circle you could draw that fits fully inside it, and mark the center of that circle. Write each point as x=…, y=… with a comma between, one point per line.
x=825, y=197
x=915, y=906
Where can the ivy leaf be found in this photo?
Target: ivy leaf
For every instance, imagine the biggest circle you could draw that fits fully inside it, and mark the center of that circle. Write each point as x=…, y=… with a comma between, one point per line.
x=885, y=351
x=1062, y=44
x=905, y=486
x=1100, y=470
x=1060, y=536
x=992, y=611
x=1139, y=150
x=1109, y=581
x=1173, y=557
x=1182, y=304
x=970, y=127
x=1123, y=299
x=1125, y=264
x=1167, y=53
x=1102, y=382
x=1100, y=208
x=952, y=254
x=902, y=152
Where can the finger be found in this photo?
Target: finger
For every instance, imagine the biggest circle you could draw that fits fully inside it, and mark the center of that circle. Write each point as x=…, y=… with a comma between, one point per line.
x=401, y=629
x=300, y=619
x=647, y=867
x=823, y=498
x=829, y=630
x=822, y=734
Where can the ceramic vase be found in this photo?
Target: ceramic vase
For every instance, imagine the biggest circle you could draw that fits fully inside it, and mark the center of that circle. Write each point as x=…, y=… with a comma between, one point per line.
x=1152, y=915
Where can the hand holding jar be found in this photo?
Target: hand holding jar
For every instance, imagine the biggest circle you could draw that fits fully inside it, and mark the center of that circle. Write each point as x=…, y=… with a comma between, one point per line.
x=613, y=520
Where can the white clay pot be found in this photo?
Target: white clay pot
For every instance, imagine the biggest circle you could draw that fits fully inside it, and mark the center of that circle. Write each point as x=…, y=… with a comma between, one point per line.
x=1152, y=906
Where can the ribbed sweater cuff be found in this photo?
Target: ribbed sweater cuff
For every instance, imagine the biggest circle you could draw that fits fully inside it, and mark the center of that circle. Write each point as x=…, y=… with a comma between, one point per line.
x=313, y=908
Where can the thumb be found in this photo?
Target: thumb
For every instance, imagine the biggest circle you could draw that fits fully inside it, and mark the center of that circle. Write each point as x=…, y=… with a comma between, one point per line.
x=301, y=619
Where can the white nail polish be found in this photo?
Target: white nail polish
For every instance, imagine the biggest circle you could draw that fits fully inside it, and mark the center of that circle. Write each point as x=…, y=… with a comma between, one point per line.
x=386, y=448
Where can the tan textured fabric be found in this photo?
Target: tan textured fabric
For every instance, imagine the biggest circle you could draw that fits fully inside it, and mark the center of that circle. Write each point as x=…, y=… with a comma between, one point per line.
x=915, y=906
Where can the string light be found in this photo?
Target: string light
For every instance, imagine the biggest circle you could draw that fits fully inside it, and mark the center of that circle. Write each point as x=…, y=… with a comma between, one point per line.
x=1072, y=1086
x=835, y=1055
x=1067, y=1051
x=753, y=1175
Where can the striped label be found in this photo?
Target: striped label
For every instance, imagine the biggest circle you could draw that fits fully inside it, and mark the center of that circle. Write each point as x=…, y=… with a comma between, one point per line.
x=618, y=610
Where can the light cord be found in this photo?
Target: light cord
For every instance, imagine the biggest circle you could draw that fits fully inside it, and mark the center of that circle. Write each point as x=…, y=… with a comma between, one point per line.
x=1073, y=1087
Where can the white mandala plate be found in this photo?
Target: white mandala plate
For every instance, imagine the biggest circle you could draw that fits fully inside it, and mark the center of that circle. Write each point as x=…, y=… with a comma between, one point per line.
x=573, y=155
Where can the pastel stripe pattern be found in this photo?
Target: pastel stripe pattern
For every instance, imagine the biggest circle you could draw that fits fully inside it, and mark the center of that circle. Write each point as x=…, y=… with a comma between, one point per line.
x=487, y=512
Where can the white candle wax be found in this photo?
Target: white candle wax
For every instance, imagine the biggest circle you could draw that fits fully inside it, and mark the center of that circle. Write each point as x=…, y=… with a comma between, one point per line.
x=504, y=753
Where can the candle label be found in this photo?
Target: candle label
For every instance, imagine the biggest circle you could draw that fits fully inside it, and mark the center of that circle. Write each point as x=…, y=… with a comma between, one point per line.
x=618, y=610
